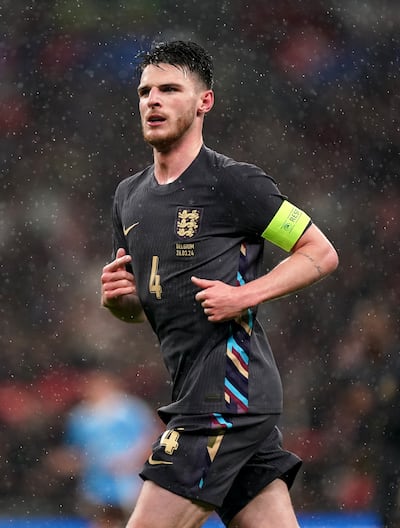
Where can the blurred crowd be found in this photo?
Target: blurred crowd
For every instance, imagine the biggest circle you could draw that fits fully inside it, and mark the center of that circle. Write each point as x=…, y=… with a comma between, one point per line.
x=308, y=90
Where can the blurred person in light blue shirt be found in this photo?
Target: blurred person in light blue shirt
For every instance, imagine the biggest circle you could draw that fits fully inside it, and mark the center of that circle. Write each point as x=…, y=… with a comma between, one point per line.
x=108, y=434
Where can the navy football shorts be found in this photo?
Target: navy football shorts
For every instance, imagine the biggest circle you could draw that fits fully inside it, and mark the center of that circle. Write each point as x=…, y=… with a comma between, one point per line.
x=221, y=460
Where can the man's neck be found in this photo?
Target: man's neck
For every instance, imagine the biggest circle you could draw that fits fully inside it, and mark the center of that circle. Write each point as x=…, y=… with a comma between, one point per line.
x=169, y=165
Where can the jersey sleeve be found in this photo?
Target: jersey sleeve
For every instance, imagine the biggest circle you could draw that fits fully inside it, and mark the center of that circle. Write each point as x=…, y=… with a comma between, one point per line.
x=263, y=210
x=118, y=237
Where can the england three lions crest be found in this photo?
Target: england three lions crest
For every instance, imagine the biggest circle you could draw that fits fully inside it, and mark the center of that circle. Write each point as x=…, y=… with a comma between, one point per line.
x=187, y=222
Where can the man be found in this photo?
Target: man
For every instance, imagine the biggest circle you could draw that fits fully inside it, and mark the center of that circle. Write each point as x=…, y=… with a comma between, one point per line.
x=106, y=439
x=188, y=244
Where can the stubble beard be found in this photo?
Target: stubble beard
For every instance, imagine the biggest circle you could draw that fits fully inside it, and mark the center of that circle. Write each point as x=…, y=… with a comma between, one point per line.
x=162, y=143
x=165, y=142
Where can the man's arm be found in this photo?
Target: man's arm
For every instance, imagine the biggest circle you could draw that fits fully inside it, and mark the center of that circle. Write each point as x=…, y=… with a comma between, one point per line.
x=118, y=290
x=312, y=258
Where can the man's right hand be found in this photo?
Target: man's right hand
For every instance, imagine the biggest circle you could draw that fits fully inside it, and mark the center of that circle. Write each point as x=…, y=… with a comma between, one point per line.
x=116, y=281
x=118, y=290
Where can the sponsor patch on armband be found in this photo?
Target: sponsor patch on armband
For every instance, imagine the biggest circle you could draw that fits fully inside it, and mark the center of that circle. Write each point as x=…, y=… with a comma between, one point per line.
x=287, y=226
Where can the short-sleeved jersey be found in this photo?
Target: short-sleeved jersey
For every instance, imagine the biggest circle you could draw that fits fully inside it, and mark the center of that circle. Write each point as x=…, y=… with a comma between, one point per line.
x=208, y=223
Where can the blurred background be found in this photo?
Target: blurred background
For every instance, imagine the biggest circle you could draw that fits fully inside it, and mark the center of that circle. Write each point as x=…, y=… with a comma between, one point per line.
x=309, y=91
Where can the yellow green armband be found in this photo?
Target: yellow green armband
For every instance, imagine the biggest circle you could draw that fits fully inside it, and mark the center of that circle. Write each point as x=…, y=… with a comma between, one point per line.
x=287, y=226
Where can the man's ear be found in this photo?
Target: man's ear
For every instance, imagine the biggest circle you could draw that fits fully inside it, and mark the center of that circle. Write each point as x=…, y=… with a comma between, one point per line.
x=206, y=102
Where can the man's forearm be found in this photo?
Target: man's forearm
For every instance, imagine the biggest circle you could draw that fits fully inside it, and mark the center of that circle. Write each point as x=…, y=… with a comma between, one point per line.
x=285, y=279
x=313, y=258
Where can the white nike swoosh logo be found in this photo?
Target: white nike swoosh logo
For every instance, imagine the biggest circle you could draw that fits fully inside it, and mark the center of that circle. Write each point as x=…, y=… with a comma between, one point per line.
x=127, y=229
x=153, y=462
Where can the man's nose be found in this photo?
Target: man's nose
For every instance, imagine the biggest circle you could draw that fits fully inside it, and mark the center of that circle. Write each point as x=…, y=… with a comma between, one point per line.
x=154, y=97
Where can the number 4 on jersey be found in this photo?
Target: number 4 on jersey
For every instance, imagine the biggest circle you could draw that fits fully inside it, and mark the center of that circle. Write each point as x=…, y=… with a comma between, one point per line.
x=155, y=281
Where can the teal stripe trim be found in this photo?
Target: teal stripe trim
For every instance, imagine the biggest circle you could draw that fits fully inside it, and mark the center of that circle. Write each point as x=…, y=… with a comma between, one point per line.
x=234, y=391
x=232, y=344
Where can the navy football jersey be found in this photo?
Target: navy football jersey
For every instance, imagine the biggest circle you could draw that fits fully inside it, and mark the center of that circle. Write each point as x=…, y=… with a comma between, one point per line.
x=209, y=223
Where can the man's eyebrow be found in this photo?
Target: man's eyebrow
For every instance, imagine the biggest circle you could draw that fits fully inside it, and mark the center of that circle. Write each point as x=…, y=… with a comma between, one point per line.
x=144, y=87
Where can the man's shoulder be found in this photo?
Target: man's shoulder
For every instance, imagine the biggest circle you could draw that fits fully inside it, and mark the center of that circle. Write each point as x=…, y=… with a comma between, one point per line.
x=227, y=164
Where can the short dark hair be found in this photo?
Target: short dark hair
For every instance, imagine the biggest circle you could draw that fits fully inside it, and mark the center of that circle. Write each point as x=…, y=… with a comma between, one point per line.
x=185, y=54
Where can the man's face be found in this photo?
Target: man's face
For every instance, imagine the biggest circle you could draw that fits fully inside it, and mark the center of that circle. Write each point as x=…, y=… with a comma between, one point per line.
x=169, y=100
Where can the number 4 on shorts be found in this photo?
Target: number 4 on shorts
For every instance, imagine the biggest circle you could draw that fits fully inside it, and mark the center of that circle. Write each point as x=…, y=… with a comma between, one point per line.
x=169, y=440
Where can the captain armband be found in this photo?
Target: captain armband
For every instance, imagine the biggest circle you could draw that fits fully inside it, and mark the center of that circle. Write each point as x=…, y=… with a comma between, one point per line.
x=287, y=226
